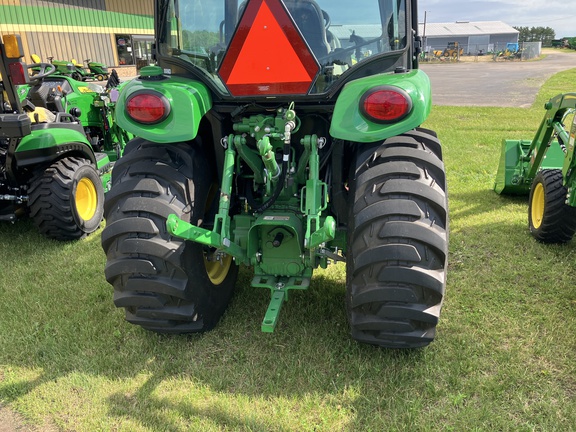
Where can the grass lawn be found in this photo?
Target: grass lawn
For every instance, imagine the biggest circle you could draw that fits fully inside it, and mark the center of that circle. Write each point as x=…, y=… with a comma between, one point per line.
x=504, y=358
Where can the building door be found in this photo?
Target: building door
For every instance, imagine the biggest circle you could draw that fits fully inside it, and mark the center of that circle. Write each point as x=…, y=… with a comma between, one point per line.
x=142, y=49
x=478, y=45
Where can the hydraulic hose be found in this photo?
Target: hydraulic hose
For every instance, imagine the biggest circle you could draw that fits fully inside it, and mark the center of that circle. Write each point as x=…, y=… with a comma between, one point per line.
x=280, y=184
x=288, y=128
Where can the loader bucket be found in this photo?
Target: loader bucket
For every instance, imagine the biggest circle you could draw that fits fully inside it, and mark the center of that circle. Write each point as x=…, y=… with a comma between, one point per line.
x=508, y=178
x=513, y=177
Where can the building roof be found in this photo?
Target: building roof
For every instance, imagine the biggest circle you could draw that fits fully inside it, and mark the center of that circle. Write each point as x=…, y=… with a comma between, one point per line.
x=367, y=31
x=467, y=28
x=458, y=28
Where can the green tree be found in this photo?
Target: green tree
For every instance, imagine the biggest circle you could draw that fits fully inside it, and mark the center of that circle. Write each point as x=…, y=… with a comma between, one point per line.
x=536, y=34
x=199, y=41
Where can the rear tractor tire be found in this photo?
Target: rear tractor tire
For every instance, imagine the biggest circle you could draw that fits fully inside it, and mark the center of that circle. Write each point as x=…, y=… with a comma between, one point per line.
x=66, y=200
x=550, y=219
x=165, y=284
x=398, y=242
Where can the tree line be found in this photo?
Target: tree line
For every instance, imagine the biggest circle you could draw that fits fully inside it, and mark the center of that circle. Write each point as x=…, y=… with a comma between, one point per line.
x=536, y=34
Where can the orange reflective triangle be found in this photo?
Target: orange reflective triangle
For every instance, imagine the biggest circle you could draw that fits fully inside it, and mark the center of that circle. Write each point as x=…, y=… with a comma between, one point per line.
x=267, y=54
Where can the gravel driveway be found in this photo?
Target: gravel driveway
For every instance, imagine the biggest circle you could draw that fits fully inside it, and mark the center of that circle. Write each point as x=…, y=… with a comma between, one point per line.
x=502, y=83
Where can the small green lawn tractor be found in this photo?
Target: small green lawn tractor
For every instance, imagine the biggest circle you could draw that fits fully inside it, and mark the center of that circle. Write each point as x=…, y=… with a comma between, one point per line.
x=58, y=143
x=63, y=67
x=544, y=169
x=92, y=71
x=99, y=71
x=269, y=137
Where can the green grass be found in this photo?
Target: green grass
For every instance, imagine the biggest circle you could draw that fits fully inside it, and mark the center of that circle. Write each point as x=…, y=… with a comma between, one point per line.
x=504, y=358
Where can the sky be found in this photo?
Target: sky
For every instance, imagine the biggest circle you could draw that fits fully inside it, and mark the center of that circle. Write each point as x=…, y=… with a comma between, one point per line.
x=559, y=15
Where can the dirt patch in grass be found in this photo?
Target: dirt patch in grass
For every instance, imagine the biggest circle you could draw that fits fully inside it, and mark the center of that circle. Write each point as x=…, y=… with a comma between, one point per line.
x=13, y=422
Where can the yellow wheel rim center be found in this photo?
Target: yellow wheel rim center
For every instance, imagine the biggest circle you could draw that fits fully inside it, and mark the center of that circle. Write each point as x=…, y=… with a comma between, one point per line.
x=537, y=205
x=218, y=270
x=86, y=199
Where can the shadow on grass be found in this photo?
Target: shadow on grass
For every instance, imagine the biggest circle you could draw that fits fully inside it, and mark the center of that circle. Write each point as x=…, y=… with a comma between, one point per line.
x=479, y=202
x=66, y=324
x=152, y=409
x=59, y=329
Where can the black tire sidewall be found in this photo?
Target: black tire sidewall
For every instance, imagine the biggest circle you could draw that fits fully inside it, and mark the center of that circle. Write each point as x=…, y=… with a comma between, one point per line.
x=182, y=189
x=558, y=219
x=207, y=296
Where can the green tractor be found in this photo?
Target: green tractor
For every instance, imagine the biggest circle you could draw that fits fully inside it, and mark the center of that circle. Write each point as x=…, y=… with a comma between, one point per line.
x=268, y=137
x=58, y=143
x=544, y=169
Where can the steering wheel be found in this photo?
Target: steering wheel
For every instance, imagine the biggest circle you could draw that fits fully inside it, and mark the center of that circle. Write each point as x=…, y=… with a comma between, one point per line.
x=46, y=69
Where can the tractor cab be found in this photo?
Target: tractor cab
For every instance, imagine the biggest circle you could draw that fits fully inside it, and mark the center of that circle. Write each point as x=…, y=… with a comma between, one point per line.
x=292, y=47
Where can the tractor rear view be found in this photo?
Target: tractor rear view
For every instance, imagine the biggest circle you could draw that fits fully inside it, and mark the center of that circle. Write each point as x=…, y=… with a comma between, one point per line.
x=269, y=137
x=544, y=169
x=58, y=142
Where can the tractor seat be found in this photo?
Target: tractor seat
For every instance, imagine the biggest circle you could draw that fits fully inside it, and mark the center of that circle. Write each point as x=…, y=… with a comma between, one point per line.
x=41, y=115
x=44, y=95
x=38, y=95
x=309, y=18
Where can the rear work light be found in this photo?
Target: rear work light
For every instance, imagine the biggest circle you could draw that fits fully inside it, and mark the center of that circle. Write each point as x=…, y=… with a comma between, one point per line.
x=18, y=73
x=385, y=104
x=147, y=107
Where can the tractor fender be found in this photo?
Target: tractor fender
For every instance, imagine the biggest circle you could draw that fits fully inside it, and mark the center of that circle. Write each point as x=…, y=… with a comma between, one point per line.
x=46, y=145
x=188, y=102
x=349, y=123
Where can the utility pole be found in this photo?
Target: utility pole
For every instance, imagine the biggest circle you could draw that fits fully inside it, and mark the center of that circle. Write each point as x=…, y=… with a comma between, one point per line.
x=424, y=34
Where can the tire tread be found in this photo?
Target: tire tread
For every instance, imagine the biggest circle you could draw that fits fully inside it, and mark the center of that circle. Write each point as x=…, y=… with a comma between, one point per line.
x=398, y=242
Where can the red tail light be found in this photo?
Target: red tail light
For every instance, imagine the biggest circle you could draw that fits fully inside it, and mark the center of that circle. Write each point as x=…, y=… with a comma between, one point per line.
x=147, y=107
x=18, y=73
x=386, y=104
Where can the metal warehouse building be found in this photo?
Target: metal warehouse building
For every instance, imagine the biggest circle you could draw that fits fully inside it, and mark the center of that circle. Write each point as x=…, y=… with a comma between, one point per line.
x=118, y=33
x=473, y=37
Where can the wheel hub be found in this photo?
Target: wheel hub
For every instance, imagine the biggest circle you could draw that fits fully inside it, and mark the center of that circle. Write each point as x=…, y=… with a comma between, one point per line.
x=218, y=269
x=86, y=199
x=537, y=212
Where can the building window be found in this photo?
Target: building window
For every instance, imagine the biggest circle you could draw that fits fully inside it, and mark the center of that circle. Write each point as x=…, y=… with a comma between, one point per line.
x=142, y=50
x=134, y=49
x=124, y=48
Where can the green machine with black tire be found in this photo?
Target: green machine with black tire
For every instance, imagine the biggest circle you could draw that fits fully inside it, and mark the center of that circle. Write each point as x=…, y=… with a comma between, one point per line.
x=281, y=135
x=58, y=142
x=544, y=168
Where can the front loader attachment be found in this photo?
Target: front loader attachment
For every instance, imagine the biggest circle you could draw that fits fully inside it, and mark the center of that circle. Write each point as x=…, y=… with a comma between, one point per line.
x=515, y=162
x=551, y=148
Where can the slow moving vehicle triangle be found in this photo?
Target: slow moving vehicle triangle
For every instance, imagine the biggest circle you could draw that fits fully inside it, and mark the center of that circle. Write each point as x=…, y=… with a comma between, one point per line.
x=267, y=54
